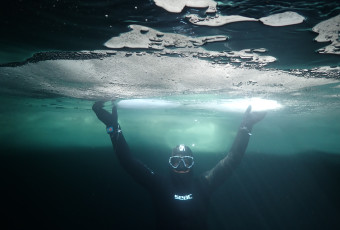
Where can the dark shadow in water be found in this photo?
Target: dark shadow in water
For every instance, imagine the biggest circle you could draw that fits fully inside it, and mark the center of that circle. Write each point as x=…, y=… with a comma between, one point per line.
x=87, y=189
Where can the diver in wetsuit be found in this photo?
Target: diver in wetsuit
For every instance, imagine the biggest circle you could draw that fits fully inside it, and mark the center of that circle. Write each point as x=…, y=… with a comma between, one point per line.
x=181, y=200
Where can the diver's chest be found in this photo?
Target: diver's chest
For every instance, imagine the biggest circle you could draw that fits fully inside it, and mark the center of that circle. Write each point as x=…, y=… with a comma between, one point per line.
x=183, y=197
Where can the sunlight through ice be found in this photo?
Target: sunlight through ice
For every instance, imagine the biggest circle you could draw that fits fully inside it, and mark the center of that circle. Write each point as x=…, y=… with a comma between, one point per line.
x=258, y=104
x=240, y=105
x=234, y=105
x=146, y=104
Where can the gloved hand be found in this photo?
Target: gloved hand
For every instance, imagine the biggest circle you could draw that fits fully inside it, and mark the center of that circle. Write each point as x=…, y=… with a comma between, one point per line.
x=251, y=118
x=103, y=115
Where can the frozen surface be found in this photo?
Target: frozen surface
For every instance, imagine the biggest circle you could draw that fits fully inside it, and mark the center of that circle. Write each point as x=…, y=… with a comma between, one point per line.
x=133, y=74
x=218, y=20
x=329, y=32
x=144, y=37
x=176, y=6
x=283, y=19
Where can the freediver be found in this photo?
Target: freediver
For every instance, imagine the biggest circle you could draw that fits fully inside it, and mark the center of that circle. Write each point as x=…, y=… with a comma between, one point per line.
x=181, y=200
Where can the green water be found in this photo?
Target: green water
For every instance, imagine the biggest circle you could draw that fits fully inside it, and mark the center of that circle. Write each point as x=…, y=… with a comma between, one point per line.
x=64, y=122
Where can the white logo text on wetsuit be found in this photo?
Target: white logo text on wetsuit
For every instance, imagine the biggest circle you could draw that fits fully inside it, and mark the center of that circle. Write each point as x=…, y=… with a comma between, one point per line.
x=185, y=197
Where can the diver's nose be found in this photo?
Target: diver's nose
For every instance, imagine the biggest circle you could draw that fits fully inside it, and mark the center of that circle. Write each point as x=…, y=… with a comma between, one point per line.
x=181, y=164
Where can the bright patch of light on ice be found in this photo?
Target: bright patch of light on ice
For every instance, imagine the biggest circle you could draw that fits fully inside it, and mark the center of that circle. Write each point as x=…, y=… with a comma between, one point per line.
x=240, y=105
x=146, y=104
x=258, y=104
x=234, y=105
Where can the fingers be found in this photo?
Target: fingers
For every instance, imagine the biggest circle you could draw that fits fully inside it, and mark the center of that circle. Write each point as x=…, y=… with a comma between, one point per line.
x=256, y=117
x=98, y=105
x=248, y=110
x=251, y=118
x=104, y=116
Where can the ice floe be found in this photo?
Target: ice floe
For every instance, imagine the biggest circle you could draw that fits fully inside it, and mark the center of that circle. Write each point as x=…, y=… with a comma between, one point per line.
x=148, y=38
x=282, y=19
x=145, y=37
x=149, y=75
x=217, y=20
x=329, y=32
x=176, y=6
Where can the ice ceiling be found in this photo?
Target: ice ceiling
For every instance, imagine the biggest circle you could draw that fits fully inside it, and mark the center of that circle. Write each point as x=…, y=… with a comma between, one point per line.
x=171, y=63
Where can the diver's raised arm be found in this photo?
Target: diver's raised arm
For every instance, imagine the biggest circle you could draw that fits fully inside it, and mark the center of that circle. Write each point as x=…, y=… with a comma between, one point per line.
x=134, y=167
x=225, y=167
x=111, y=122
x=240, y=143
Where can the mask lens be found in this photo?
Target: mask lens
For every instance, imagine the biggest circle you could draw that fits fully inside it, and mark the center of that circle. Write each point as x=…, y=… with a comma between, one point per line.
x=174, y=161
x=189, y=161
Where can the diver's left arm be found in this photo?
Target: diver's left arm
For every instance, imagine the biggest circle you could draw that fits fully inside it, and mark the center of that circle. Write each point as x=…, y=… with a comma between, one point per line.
x=139, y=171
x=226, y=166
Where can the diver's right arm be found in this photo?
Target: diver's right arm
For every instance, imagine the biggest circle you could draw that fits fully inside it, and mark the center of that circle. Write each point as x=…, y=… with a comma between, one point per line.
x=140, y=172
x=225, y=167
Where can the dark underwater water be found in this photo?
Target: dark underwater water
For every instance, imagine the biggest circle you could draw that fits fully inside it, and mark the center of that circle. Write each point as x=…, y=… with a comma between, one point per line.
x=58, y=170
x=86, y=188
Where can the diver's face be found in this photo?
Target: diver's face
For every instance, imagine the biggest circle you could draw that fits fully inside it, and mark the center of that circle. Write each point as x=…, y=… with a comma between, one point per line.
x=181, y=163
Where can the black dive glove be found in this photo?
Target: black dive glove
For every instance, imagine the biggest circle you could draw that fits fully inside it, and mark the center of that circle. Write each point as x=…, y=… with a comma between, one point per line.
x=110, y=120
x=251, y=118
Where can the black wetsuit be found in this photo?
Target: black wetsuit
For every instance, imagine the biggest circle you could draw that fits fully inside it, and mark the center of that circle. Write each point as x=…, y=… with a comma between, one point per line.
x=181, y=200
